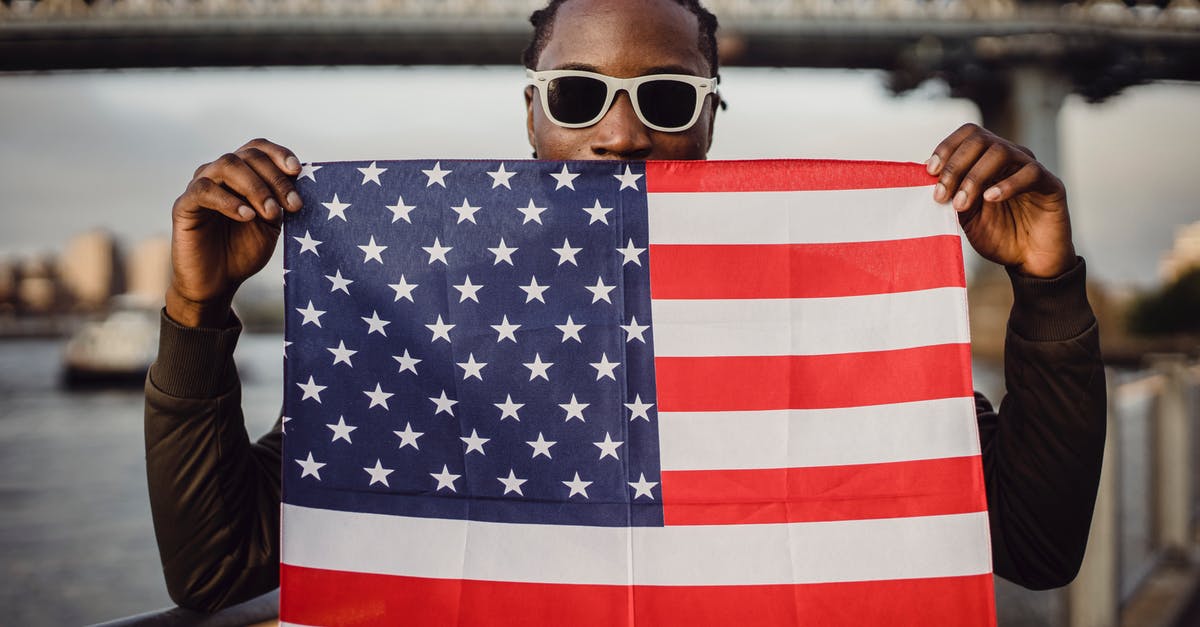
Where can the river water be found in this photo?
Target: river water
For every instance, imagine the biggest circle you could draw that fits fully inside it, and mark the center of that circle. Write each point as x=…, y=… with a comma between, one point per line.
x=76, y=541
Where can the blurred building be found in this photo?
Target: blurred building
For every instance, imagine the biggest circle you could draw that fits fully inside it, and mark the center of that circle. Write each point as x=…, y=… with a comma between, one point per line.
x=37, y=287
x=148, y=269
x=90, y=270
x=1184, y=255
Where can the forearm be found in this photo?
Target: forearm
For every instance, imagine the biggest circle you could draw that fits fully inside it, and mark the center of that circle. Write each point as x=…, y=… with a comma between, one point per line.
x=1042, y=453
x=214, y=495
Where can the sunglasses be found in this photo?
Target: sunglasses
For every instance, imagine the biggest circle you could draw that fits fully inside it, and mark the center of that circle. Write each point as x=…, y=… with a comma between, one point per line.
x=664, y=102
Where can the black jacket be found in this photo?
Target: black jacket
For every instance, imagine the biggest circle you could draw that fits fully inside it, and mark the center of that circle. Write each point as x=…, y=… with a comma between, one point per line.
x=215, y=494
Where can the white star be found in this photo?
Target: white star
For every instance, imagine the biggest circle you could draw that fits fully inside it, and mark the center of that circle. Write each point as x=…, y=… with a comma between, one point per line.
x=512, y=483
x=403, y=290
x=283, y=420
x=578, y=486
x=574, y=409
x=605, y=368
x=467, y=291
x=309, y=170
x=375, y=324
x=311, y=315
x=308, y=244
x=631, y=253
x=400, y=210
x=378, y=397
x=407, y=362
x=637, y=409
x=472, y=368
x=341, y=354
x=541, y=446
x=600, y=291
x=283, y=279
x=508, y=409
x=567, y=253
x=642, y=487
x=338, y=283
x=440, y=330
x=538, y=368
x=445, y=479
x=475, y=443
x=408, y=437
x=597, y=213
x=336, y=208
x=437, y=175
x=372, y=251
x=628, y=179
x=635, y=330
x=608, y=447
x=371, y=173
x=437, y=252
x=533, y=291
x=507, y=331
x=311, y=390
x=466, y=212
x=286, y=344
x=310, y=466
x=341, y=431
x=531, y=213
x=500, y=177
x=379, y=474
x=564, y=179
x=502, y=253
x=570, y=330
x=444, y=404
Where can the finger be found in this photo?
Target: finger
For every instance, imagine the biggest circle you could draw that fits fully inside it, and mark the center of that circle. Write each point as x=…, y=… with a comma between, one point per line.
x=206, y=194
x=958, y=164
x=942, y=153
x=234, y=173
x=284, y=159
x=279, y=182
x=988, y=168
x=1019, y=182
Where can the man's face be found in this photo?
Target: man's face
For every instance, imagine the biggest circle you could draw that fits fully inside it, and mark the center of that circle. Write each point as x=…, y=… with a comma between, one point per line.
x=621, y=38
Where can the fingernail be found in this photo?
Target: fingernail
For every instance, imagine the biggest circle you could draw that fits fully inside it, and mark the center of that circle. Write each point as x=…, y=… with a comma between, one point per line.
x=245, y=212
x=939, y=193
x=292, y=163
x=960, y=200
x=271, y=208
x=293, y=200
x=931, y=166
x=992, y=193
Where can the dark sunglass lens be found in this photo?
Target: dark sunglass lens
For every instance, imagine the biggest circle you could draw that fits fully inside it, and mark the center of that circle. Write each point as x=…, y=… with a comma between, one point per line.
x=575, y=99
x=667, y=103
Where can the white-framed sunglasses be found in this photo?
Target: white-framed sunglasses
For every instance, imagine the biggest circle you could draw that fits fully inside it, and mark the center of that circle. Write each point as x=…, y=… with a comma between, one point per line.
x=664, y=102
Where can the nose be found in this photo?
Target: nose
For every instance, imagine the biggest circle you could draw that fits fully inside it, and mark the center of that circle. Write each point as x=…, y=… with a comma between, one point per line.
x=620, y=134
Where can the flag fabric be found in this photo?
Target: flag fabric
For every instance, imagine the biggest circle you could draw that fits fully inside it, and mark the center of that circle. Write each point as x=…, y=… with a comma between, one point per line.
x=641, y=394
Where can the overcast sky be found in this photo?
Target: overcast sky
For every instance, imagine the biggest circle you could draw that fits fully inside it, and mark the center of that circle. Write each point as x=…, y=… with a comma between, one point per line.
x=113, y=149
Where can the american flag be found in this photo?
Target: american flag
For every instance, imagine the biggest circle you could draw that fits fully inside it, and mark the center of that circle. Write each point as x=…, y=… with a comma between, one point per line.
x=609, y=393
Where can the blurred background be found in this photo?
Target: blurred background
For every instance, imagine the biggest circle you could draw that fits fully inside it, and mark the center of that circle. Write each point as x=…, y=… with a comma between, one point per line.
x=107, y=107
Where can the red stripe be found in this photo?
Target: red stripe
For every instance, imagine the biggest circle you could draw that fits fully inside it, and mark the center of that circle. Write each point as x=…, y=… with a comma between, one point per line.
x=781, y=175
x=813, y=381
x=805, y=270
x=930, y=487
x=323, y=597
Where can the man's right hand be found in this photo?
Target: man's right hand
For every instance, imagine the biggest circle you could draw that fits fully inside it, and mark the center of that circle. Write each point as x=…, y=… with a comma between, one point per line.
x=224, y=229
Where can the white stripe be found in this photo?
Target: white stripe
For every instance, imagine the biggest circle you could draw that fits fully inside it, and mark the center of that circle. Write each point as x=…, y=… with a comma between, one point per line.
x=810, y=326
x=809, y=217
x=859, y=550
x=800, y=438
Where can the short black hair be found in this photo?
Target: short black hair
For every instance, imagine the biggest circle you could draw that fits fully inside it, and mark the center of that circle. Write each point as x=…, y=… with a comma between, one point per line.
x=543, y=21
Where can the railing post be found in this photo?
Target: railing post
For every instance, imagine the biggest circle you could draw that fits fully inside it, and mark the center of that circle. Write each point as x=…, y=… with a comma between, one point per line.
x=1093, y=598
x=1174, y=463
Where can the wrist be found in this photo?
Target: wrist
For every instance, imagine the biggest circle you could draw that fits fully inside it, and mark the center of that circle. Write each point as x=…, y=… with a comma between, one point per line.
x=197, y=314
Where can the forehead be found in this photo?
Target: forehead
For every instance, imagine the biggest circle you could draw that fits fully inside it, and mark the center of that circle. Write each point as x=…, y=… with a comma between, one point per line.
x=625, y=38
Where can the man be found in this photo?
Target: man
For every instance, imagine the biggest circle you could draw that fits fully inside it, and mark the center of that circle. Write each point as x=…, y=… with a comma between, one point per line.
x=215, y=495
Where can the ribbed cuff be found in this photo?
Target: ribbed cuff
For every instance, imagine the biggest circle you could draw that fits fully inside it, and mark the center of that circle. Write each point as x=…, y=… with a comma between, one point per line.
x=1051, y=310
x=195, y=362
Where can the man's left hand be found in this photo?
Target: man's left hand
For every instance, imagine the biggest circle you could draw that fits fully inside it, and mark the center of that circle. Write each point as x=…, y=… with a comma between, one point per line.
x=1011, y=208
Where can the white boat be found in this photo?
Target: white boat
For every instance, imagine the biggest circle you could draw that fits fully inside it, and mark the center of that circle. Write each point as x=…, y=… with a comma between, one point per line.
x=116, y=349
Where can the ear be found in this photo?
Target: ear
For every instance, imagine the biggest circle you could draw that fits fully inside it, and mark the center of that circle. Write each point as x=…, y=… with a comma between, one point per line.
x=529, y=117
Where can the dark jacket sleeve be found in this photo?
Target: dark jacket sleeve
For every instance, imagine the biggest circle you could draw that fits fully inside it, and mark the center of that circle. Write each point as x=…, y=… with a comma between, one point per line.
x=1042, y=451
x=214, y=494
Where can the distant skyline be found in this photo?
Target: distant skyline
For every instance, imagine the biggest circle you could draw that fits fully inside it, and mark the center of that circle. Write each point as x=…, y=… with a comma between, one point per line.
x=114, y=149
